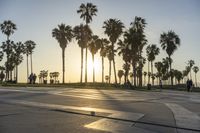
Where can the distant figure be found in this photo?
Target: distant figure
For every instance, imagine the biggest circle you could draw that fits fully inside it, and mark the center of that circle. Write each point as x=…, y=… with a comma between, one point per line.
x=189, y=85
x=34, y=78
x=160, y=83
x=31, y=78
x=129, y=85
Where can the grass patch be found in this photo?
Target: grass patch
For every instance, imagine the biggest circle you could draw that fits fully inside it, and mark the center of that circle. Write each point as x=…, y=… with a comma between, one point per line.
x=103, y=86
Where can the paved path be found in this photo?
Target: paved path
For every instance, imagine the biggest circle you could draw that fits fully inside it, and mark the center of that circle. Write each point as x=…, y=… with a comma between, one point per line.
x=113, y=110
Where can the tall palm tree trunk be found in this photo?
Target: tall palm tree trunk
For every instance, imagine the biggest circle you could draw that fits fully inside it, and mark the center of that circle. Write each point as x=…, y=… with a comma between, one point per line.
x=125, y=78
x=93, y=68
x=140, y=72
x=31, y=63
x=6, y=79
x=16, y=74
x=27, y=69
x=170, y=67
x=152, y=72
x=114, y=63
x=148, y=73
x=11, y=75
x=114, y=70
x=134, y=73
x=86, y=64
x=102, y=69
x=196, y=79
x=109, y=70
x=140, y=77
x=81, y=78
x=63, y=63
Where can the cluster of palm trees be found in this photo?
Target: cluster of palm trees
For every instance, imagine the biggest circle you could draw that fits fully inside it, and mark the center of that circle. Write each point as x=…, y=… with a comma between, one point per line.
x=54, y=77
x=127, y=43
x=113, y=29
x=14, y=52
x=188, y=69
x=43, y=75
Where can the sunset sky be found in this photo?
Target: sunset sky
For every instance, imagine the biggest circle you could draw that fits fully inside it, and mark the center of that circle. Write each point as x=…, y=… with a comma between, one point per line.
x=35, y=20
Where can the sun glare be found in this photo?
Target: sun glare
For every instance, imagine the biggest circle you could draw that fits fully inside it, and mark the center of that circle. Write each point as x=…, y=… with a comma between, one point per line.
x=97, y=66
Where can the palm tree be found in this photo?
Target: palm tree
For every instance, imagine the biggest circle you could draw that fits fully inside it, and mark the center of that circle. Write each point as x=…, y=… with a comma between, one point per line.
x=149, y=75
x=178, y=75
x=113, y=29
x=63, y=35
x=51, y=77
x=10, y=64
x=94, y=45
x=141, y=64
x=184, y=74
x=19, y=49
x=56, y=74
x=196, y=69
x=126, y=68
x=7, y=47
x=29, y=46
x=165, y=62
x=120, y=74
x=82, y=34
x=43, y=75
x=8, y=28
x=110, y=56
x=87, y=11
x=124, y=50
x=153, y=76
x=152, y=51
x=131, y=76
x=159, y=67
x=191, y=64
x=136, y=40
x=170, y=42
x=104, y=43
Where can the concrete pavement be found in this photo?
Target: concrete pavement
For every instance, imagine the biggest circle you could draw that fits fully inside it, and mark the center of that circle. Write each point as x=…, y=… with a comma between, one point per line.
x=115, y=110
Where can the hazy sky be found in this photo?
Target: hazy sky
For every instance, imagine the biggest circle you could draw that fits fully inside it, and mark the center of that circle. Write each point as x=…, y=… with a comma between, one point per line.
x=35, y=20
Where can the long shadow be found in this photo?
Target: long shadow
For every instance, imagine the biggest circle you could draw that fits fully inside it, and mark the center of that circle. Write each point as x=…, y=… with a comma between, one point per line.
x=118, y=105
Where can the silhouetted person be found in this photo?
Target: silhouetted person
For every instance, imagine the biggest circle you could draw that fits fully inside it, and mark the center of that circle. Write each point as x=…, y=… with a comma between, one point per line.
x=129, y=85
x=31, y=78
x=189, y=85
